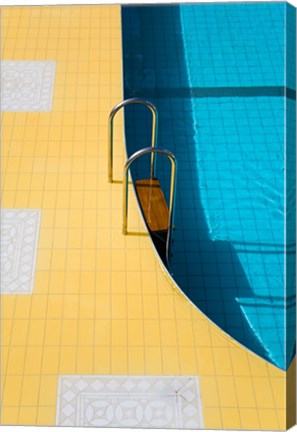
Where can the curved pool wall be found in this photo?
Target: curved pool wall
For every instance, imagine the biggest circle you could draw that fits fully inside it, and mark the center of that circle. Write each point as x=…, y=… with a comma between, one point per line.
x=227, y=101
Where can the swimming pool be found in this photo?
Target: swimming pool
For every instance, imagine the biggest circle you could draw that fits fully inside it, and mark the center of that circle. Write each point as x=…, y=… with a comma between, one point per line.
x=226, y=99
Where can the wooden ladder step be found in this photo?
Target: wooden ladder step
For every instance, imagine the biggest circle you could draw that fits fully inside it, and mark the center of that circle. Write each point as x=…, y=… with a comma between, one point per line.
x=153, y=204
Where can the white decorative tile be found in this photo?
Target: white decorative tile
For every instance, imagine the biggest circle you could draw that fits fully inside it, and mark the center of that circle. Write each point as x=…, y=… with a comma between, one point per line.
x=27, y=85
x=129, y=401
x=19, y=239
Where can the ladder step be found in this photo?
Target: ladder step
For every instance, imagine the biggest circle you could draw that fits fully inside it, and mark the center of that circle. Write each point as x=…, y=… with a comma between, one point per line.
x=153, y=204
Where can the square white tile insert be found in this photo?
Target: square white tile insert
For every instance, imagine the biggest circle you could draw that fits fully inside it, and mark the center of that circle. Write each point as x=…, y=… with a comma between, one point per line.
x=19, y=240
x=27, y=85
x=168, y=402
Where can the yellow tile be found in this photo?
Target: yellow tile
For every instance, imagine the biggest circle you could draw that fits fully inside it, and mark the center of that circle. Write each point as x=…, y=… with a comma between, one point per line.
x=88, y=260
x=71, y=306
x=102, y=360
x=68, y=356
x=166, y=307
x=49, y=200
x=240, y=362
x=38, y=306
x=268, y=419
x=209, y=390
x=58, y=259
x=104, y=241
x=8, y=199
x=74, y=238
x=263, y=394
x=118, y=260
x=30, y=390
x=132, y=260
x=118, y=333
x=171, y=364
x=46, y=238
x=135, y=332
x=75, y=217
x=185, y=333
x=19, y=332
x=72, y=282
x=231, y=418
x=86, y=306
x=12, y=390
x=6, y=332
x=85, y=360
x=102, y=332
x=85, y=332
x=212, y=418
x=73, y=259
x=102, y=282
x=59, y=241
x=118, y=283
x=150, y=307
x=4, y=362
x=278, y=386
x=118, y=306
x=7, y=305
x=168, y=333
x=43, y=260
x=205, y=360
x=222, y=360
x=152, y=333
x=21, y=199
x=187, y=358
x=37, y=182
x=133, y=280
x=89, y=239
x=119, y=360
x=91, y=197
x=256, y=367
x=55, y=306
x=136, y=361
x=36, y=332
x=9, y=415
x=27, y=415
x=50, y=360
x=48, y=390
x=249, y=419
x=69, y=332
x=286, y=418
x=134, y=306
x=33, y=360
x=16, y=360
x=63, y=197
x=52, y=332
x=103, y=306
x=46, y=416
x=227, y=392
x=245, y=392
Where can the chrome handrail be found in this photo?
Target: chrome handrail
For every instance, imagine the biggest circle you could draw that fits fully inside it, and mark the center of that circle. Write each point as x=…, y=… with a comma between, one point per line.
x=173, y=161
x=110, y=131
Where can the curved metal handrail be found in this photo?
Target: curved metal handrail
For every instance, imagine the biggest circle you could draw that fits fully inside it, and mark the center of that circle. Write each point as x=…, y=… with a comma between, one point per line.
x=173, y=161
x=110, y=131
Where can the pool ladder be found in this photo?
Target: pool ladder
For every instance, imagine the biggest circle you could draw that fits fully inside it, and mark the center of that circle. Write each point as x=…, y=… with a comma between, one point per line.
x=158, y=216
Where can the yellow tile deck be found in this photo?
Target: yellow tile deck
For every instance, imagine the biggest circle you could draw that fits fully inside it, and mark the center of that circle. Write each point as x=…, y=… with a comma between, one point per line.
x=102, y=303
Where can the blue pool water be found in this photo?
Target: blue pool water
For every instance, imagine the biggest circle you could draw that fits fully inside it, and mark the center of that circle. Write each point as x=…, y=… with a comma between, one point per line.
x=222, y=77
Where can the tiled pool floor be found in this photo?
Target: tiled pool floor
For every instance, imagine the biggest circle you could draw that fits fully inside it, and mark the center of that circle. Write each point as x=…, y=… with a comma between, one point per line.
x=101, y=304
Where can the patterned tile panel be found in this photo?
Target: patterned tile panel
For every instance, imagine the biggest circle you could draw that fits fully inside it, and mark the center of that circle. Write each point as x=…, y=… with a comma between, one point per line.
x=27, y=85
x=129, y=401
x=19, y=239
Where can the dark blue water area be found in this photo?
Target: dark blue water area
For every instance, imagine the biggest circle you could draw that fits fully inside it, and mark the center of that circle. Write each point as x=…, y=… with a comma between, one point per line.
x=217, y=75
